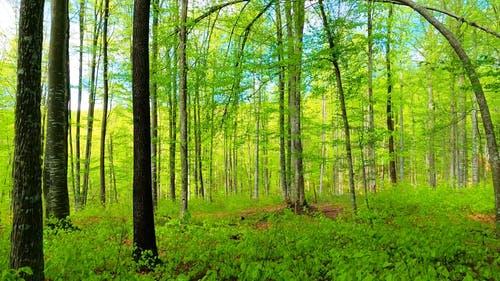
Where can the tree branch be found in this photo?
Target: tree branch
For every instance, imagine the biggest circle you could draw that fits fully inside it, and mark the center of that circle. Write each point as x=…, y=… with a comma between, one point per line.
x=450, y=14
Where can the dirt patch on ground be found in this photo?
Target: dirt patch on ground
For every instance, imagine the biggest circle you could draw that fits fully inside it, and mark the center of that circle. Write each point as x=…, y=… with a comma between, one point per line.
x=327, y=210
x=484, y=218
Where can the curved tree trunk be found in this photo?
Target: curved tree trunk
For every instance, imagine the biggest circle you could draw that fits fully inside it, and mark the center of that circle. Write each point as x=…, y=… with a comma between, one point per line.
x=480, y=97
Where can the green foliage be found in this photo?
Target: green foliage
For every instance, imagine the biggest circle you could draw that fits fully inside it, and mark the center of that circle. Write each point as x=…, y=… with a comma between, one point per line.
x=409, y=234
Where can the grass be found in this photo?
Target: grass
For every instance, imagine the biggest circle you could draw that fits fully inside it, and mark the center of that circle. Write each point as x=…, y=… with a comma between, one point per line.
x=409, y=234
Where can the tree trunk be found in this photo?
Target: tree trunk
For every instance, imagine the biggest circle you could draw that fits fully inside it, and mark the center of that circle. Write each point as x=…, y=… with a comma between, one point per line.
x=371, y=122
x=340, y=90
x=323, y=143
x=154, y=105
x=27, y=226
x=102, y=169
x=182, y=108
x=480, y=97
x=55, y=173
x=79, y=106
x=90, y=114
x=257, y=142
x=475, y=144
x=281, y=89
x=390, y=120
x=144, y=227
x=430, y=155
x=401, y=158
x=295, y=29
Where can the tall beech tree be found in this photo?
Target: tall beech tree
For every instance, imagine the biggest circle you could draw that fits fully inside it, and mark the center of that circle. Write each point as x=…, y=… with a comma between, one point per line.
x=55, y=172
x=27, y=226
x=144, y=227
x=295, y=17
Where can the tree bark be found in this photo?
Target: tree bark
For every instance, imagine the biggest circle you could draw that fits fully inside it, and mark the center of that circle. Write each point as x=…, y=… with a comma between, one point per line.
x=430, y=154
x=102, y=168
x=182, y=108
x=81, y=17
x=90, y=114
x=55, y=173
x=27, y=225
x=154, y=105
x=340, y=90
x=281, y=89
x=144, y=227
x=371, y=122
x=295, y=29
x=390, y=120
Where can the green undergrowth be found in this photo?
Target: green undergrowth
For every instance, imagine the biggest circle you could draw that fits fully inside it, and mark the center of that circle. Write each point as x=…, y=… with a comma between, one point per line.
x=408, y=234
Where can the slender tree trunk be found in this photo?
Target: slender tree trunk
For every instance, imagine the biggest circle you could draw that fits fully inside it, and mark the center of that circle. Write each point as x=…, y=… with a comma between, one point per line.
x=281, y=89
x=430, y=155
x=90, y=114
x=154, y=106
x=257, y=101
x=79, y=106
x=172, y=131
x=475, y=144
x=102, y=170
x=452, y=144
x=390, y=120
x=182, y=108
x=144, y=227
x=480, y=97
x=463, y=171
x=401, y=158
x=27, y=225
x=340, y=90
x=371, y=122
x=112, y=175
x=323, y=143
x=55, y=173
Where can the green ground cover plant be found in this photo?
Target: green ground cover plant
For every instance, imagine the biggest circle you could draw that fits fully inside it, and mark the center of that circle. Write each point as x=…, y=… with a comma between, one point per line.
x=408, y=234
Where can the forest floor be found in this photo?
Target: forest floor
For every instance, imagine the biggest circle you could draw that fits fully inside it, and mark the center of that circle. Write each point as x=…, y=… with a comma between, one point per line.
x=407, y=234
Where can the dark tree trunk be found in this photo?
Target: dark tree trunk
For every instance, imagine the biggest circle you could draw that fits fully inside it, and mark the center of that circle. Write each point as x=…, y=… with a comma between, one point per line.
x=390, y=120
x=173, y=108
x=154, y=106
x=90, y=114
x=102, y=171
x=55, y=173
x=79, y=106
x=340, y=90
x=281, y=88
x=183, y=107
x=27, y=225
x=144, y=227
